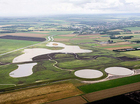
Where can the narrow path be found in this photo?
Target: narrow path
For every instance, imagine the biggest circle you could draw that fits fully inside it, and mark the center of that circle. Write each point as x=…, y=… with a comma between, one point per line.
x=8, y=84
x=57, y=63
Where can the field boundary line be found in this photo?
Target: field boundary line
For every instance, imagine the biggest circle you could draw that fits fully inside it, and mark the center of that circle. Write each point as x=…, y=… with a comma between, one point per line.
x=8, y=84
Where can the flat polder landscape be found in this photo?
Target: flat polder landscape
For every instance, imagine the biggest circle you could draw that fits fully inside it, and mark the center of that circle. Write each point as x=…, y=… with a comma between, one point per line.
x=63, y=58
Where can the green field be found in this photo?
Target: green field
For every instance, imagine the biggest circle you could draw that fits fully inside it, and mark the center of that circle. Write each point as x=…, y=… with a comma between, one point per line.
x=62, y=37
x=43, y=71
x=131, y=64
x=7, y=45
x=60, y=32
x=81, y=41
x=109, y=84
x=133, y=53
x=8, y=58
x=83, y=64
x=133, y=28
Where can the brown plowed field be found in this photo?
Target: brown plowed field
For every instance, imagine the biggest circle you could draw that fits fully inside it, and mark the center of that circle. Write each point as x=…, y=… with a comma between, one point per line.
x=23, y=38
x=115, y=48
x=68, y=35
x=94, y=37
x=89, y=35
x=40, y=94
x=112, y=92
x=42, y=31
x=61, y=40
x=120, y=43
x=83, y=38
x=26, y=34
x=73, y=100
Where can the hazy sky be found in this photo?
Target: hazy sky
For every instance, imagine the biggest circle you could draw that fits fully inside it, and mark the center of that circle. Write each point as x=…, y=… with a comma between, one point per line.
x=47, y=7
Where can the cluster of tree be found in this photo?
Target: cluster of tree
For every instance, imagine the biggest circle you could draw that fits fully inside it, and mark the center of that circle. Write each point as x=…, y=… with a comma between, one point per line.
x=110, y=41
x=121, y=37
x=85, y=33
x=124, y=50
x=14, y=31
x=76, y=32
x=49, y=25
x=127, y=37
x=70, y=28
x=16, y=26
x=110, y=33
x=127, y=30
x=9, y=31
x=137, y=41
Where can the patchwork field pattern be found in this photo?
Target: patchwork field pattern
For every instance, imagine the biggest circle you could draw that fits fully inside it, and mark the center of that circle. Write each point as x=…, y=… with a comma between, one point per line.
x=41, y=94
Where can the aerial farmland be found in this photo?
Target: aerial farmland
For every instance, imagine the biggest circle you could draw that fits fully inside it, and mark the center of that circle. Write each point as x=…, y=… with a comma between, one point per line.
x=68, y=58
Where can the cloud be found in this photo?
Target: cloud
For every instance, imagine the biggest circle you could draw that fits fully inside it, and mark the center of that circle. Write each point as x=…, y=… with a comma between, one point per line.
x=114, y=6
x=79, y=2
x=47, y=7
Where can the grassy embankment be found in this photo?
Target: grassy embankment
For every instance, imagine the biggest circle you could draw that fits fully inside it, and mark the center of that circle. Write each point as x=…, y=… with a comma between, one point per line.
x=109, y=84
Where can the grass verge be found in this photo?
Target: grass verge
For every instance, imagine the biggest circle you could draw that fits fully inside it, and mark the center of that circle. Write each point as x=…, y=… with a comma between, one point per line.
x=109, y=84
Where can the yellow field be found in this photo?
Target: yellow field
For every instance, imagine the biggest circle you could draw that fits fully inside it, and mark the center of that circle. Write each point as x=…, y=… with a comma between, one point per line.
x=40, y=94
x=134, y=53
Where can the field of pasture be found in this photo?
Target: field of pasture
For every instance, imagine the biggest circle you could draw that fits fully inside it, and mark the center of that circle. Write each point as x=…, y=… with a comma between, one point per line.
x=10, y=45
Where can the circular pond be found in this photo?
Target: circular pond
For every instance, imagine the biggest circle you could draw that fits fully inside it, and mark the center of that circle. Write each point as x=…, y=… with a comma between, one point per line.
x=119, y=71
x=88, y=73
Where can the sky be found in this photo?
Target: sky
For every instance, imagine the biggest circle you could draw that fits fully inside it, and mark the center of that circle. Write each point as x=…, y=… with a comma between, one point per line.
x=54, y=7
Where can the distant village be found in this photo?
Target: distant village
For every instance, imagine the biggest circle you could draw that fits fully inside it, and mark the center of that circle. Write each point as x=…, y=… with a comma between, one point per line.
x=104, y=27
